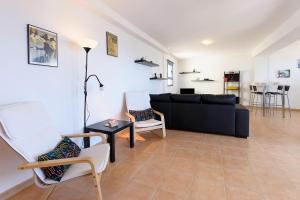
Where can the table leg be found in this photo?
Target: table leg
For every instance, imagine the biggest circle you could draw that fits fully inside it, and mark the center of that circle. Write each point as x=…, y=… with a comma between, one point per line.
x=263, y=103
x=111, y=141
x=86, y=140
x=131, y=136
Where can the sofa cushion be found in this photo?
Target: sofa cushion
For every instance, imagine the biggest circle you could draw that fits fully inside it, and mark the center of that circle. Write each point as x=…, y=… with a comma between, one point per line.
x=65, y=149
x=218, y=99
x=160, y=97
x=186, y=98
x=208, y=118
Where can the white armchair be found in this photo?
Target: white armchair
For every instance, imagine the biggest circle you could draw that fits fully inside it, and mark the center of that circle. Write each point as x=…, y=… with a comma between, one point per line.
x=138, y=101
x=27, y=128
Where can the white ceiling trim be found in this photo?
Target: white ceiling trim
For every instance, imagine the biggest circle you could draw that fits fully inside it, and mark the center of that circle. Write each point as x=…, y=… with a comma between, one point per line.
x=279, y=34
x=117, y=19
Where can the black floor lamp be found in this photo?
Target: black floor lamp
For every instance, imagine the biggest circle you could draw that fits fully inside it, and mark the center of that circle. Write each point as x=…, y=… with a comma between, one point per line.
x=87, y=45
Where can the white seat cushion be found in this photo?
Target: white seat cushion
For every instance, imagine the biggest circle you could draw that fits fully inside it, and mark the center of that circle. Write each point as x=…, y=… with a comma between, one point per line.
x=100, y=153
x=147, y=123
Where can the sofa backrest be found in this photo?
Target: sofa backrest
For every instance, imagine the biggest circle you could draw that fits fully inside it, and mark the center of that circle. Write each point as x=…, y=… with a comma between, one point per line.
x=165, y=97
x=186, y=98
x=194, y=98
x=218, y=99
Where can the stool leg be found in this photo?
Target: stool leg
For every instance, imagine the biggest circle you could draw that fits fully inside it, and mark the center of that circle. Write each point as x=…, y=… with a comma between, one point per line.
x=262, y=101
x=256, y=102
x=289, y=105
x=250, y=99
x=274, y=105
x=270, y=108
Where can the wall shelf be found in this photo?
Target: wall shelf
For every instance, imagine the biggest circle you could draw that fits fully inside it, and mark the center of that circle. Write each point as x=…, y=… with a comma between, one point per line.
x=203, y=80
x=146, y=63
x=193, y=72
x=158, y=79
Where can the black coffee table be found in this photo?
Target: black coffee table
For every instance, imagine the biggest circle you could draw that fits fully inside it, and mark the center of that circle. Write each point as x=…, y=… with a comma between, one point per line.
x=110, y=132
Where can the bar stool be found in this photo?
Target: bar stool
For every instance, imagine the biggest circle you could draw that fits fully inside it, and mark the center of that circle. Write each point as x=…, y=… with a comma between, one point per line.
x=282, y=92
x=273, y=96
x=256, y=95
x=251, y=95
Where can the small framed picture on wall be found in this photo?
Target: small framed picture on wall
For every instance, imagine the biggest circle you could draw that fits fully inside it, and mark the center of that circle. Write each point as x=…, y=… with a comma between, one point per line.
x=284, y=73
x=112, y=44
x=42, y=47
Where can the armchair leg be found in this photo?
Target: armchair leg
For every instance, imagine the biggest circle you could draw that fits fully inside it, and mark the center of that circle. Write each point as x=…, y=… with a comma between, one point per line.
x=47, y=193
x=161, y=134
x=97, y=179
x=164, y=133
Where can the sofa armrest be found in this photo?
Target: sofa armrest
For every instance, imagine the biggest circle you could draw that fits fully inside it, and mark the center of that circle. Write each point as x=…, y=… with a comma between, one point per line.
x=241, y=121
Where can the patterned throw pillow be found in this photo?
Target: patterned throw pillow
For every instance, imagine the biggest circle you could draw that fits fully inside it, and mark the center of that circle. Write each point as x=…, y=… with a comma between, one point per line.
x=142, y=115
x=65, y=149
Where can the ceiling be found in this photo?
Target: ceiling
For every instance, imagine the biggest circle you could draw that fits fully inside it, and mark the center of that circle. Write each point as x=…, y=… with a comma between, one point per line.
x=236, y=26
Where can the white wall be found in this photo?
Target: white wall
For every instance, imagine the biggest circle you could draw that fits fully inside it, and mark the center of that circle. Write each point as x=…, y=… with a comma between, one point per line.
x=266, y=67
x=213, y=67
x=61, y=89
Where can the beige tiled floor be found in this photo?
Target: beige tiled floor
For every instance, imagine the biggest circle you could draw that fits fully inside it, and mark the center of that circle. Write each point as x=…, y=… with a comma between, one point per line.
x=194, y=166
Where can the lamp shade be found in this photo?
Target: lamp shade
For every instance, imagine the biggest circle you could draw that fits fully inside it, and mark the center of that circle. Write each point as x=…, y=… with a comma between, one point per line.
x=88, y=43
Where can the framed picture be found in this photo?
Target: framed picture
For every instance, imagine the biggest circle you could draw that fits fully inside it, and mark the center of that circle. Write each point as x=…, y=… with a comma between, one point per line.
x=298, y=63
x=284, y=73
x=111, y=44
x=42, y=47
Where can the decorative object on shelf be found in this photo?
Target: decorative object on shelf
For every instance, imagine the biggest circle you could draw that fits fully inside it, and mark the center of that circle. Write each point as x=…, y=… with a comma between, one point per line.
x=42, y=47
x=87, y=45
x=192, y=72
x=157, y=78
x=284, y=73
x=232, y=84
x=231, y=87
x=143, y=61
x=111, y=44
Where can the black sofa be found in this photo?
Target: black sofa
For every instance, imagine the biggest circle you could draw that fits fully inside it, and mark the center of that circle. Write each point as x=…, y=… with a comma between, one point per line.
x=206, y=113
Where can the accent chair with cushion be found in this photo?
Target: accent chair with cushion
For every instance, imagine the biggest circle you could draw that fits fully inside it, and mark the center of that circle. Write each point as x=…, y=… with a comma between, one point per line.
x=138, y=103
x=28, y=129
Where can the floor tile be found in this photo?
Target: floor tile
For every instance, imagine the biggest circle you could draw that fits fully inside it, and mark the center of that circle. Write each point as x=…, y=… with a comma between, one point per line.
x=202, y=190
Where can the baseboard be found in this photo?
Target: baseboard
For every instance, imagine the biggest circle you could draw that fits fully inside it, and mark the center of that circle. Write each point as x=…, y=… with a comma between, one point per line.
x=292, y=109
x=11, y=192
